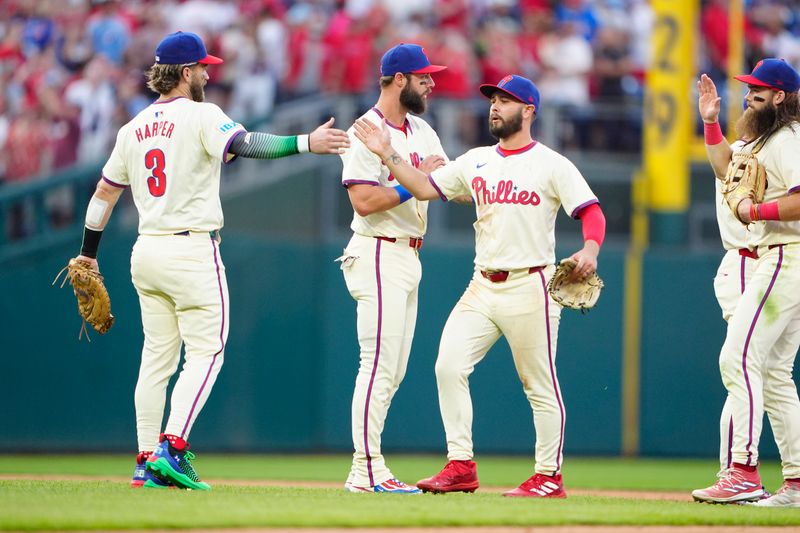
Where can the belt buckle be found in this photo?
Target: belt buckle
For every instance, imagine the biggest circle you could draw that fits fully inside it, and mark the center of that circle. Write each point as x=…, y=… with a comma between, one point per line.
x=495, y=276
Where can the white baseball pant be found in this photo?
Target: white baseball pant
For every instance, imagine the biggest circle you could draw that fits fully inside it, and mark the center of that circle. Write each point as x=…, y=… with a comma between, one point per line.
x=383, y=278
x=183, y=294
x=521, y=310
x=758, y=355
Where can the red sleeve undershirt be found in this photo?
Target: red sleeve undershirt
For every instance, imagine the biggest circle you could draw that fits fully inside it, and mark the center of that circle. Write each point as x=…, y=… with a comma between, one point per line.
x=594, y=223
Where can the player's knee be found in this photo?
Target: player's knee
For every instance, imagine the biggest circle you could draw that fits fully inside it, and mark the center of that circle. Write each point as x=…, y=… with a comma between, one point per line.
x=447, y=373
x=730, y=362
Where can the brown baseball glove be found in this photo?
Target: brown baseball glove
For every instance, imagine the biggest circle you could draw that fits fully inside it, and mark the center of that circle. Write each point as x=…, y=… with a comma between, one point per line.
x=94, y=305
x=580, y=294
x=745, y=178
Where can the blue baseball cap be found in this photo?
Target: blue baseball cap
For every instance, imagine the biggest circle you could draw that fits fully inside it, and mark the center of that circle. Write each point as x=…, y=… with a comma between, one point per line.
x=773, y=73
x=181, y=48
x=518, y=87
x=407, y=58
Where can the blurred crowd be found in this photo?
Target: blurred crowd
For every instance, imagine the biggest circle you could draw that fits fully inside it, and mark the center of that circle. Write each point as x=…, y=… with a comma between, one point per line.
x=71, y=71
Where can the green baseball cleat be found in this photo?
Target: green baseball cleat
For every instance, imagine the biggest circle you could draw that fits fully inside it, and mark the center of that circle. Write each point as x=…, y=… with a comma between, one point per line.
x=172, y=460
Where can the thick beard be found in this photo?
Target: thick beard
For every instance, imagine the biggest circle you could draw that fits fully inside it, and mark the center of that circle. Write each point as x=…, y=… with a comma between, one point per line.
x=506, y=128
x=196, y=90
x=412, y=101
x=753, y=124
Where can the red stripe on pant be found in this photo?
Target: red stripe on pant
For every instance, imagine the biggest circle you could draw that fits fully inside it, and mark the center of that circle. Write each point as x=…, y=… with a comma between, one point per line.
x=747, y=345
x=215, y=245
x=552, y=368
x=375, y=361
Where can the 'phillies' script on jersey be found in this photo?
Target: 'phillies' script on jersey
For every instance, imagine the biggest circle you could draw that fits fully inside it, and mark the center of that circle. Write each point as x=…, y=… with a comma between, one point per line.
x=506, y=193
x=503, y=185
x=161, y=128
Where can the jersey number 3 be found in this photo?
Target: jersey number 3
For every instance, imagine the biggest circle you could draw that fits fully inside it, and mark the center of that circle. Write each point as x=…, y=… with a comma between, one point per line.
x=157, y=180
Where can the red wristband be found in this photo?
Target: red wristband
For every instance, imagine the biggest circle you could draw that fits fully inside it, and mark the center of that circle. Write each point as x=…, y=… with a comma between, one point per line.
x=769, y=211
x=713, y=133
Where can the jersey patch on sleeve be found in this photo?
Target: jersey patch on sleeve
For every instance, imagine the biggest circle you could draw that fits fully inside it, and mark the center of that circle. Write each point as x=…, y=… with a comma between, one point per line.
x=228, y=126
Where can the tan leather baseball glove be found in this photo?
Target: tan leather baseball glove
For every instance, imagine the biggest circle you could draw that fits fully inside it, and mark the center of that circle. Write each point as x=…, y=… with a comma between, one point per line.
x=579, y=294
x=745, y=178
x=94, y=305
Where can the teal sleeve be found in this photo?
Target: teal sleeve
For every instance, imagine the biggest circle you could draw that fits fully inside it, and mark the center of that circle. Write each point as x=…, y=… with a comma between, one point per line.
x=258, y=145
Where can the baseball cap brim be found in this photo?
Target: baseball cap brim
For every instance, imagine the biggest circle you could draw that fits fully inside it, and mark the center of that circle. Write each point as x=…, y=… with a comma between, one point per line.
x=750, y=80
x=488, y=90
x=211, y=60
x=429, y=69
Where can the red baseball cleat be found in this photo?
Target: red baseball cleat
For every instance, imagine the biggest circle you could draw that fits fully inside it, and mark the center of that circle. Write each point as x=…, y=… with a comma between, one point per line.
x=736, y=485
x=456, y=476
x=540, y=486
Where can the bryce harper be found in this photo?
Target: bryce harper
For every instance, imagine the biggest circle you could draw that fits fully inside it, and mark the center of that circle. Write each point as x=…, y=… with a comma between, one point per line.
x=169, y=155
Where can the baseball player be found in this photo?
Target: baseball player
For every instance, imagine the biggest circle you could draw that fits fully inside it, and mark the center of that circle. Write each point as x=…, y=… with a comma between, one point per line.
x=734, y=271
x=517, y=186
x=381, y=262
x=763, y=335
x=169, y=155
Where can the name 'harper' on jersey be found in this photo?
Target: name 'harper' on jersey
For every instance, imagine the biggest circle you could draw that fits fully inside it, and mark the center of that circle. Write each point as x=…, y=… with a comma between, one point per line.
x=505, y=193
x=162, y=128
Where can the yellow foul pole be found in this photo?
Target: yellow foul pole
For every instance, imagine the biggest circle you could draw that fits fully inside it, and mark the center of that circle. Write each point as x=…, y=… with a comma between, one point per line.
x=660, y=195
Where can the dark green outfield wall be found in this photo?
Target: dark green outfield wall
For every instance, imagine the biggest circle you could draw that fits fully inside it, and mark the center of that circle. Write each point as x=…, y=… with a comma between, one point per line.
x=292, y=358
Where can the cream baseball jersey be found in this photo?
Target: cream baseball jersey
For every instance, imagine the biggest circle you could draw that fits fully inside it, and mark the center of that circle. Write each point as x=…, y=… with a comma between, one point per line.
x=780, y=156
x=517, y=194
x=170, y=156
x=414, y=141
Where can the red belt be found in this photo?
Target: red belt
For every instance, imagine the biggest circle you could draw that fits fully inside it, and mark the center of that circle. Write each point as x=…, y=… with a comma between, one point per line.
x=753, y=254
x=414, y=242
x=214, y=234
x=499, y=276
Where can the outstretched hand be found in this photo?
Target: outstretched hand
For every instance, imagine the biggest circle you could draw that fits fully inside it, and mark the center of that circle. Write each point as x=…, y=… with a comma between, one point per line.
x=708, y=102
x=328, y=140
x=377, y=139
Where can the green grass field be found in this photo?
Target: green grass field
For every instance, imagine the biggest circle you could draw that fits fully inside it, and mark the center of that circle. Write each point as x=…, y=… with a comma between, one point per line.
x=108, y=503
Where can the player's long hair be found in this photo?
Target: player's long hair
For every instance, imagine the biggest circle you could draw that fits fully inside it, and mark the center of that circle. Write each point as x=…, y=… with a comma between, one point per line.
x=162, y=79
x=787, y=114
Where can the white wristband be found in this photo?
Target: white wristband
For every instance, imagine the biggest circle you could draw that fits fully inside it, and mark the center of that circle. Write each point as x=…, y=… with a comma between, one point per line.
x=303, y=143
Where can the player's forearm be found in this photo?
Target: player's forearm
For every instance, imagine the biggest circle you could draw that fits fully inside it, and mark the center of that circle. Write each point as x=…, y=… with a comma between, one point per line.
x=258, y=145
x=97, y=214
x=789, y=207
x=368, y=199
x=719, y=156
x=717, y=148
x=414, y=180
x=593, y=223
x=784, y=209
